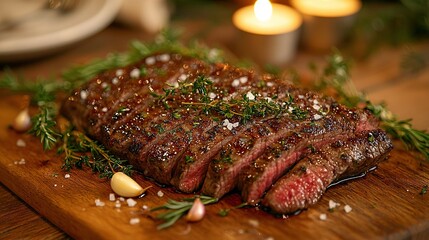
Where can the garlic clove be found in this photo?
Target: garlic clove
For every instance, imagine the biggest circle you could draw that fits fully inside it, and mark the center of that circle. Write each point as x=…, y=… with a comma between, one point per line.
x=197, y=211
x=125, y=186
x=22, y=121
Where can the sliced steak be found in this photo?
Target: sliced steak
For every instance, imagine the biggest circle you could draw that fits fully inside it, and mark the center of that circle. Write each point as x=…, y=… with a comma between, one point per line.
x=316, y=129
x=308, y=180
x=257, y=177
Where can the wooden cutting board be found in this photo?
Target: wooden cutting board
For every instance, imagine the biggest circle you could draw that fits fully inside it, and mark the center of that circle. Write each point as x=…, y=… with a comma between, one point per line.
x=385, y=204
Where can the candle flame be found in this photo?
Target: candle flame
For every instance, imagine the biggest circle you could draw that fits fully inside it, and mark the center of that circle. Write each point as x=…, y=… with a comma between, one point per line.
x=263, y=10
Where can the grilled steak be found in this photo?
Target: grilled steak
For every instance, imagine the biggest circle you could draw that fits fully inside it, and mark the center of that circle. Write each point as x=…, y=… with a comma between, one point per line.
x=194, y=125
x=307, y=181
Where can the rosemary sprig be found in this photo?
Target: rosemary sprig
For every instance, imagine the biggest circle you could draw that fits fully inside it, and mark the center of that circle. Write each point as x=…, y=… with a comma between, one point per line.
x=177, y=209
x=336, y=76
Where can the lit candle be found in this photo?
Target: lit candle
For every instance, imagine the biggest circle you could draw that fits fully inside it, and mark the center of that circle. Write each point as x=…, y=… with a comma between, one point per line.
x=326, y=21
x=268, y=33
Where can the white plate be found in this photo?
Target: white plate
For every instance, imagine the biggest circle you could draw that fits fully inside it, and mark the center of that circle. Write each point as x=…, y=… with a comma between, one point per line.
x=48, y=31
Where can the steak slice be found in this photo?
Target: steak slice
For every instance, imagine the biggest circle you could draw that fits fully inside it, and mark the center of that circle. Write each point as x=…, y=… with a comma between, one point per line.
x=308, y=180
x=316, y=129
x=257, y=177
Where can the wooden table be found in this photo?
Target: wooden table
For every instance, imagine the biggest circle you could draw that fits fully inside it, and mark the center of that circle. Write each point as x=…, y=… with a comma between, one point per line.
x=380, y=76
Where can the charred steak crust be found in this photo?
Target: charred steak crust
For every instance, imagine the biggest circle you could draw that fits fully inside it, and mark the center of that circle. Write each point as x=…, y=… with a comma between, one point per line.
x=146, y=113
x=305, y=183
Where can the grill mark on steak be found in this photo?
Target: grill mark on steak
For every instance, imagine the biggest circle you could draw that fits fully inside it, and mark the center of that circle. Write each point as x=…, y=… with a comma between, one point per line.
x=258, y=176
x=222, y=176
x=190, y=175
x=308, y=180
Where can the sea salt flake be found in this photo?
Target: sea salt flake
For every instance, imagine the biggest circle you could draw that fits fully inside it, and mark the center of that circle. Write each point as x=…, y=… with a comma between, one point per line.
x=235, y=124
x=160, y=193
x=135, y=73
x=243, y=80
x=145, y=207
x=317, y=116
x=112, y=197
x=115, y=80
x=250, y=96
x=212, y=95
x=225, y=122
x=235, y=83
x=229, y=126
x=119, y=72
x=182, y=77
x=150, y=60
x=316, y=107
x=20, y=143
x=134, y=221
x=117, y=204
x=164, y=57
x=104, y=109
x=121, y=199
x=131, y=202
x=99, y=203
x=67, y=175
x=333, y=204
x=323, y=217
x=270, y=84
x=300, y=96
x=347, y=208
x=83, y=94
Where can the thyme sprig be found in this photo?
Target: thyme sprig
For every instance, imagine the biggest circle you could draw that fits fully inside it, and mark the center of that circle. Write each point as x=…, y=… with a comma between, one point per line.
x=336, y=76
x=80, y=150
x=177, y=209
x=245, y=107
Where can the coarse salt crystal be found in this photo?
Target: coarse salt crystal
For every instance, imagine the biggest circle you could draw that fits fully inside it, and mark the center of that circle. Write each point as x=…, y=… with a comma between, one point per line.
x=20, y=143
x=270, y=84
x=115, y=80
x=229, y=126
x=235, y=124
x=333, y=204
x=119, y=72
x=135, y=73
x=235, y=83
x=300, y=96
x=315, y=101
x=316, y=107
x=145, y=207
x=83, y=94
x=225, y=122
x=243, y=80
x=160, y=193
x=347, y=208
x=104, y=85
x=117, y=204
x=212, y=95
x=150, y=60
x=112, y=197
x=182, y=77
x=250, y=96
x=104, y=109
x=67, y=175
x=268, y=99
x=99, y=203
x=164, y=57
x=323, y=217
x=134, y=221
x=121, y=199
x=317, y=116
x=55, y=185
x=22, y=161
x=131, y=202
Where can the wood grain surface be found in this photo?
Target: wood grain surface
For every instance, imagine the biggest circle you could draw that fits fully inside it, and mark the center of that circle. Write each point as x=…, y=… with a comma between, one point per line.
x=386, y=203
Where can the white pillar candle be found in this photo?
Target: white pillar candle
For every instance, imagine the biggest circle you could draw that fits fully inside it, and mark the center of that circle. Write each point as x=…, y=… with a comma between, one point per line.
x=326, y=21
x=267, y=33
